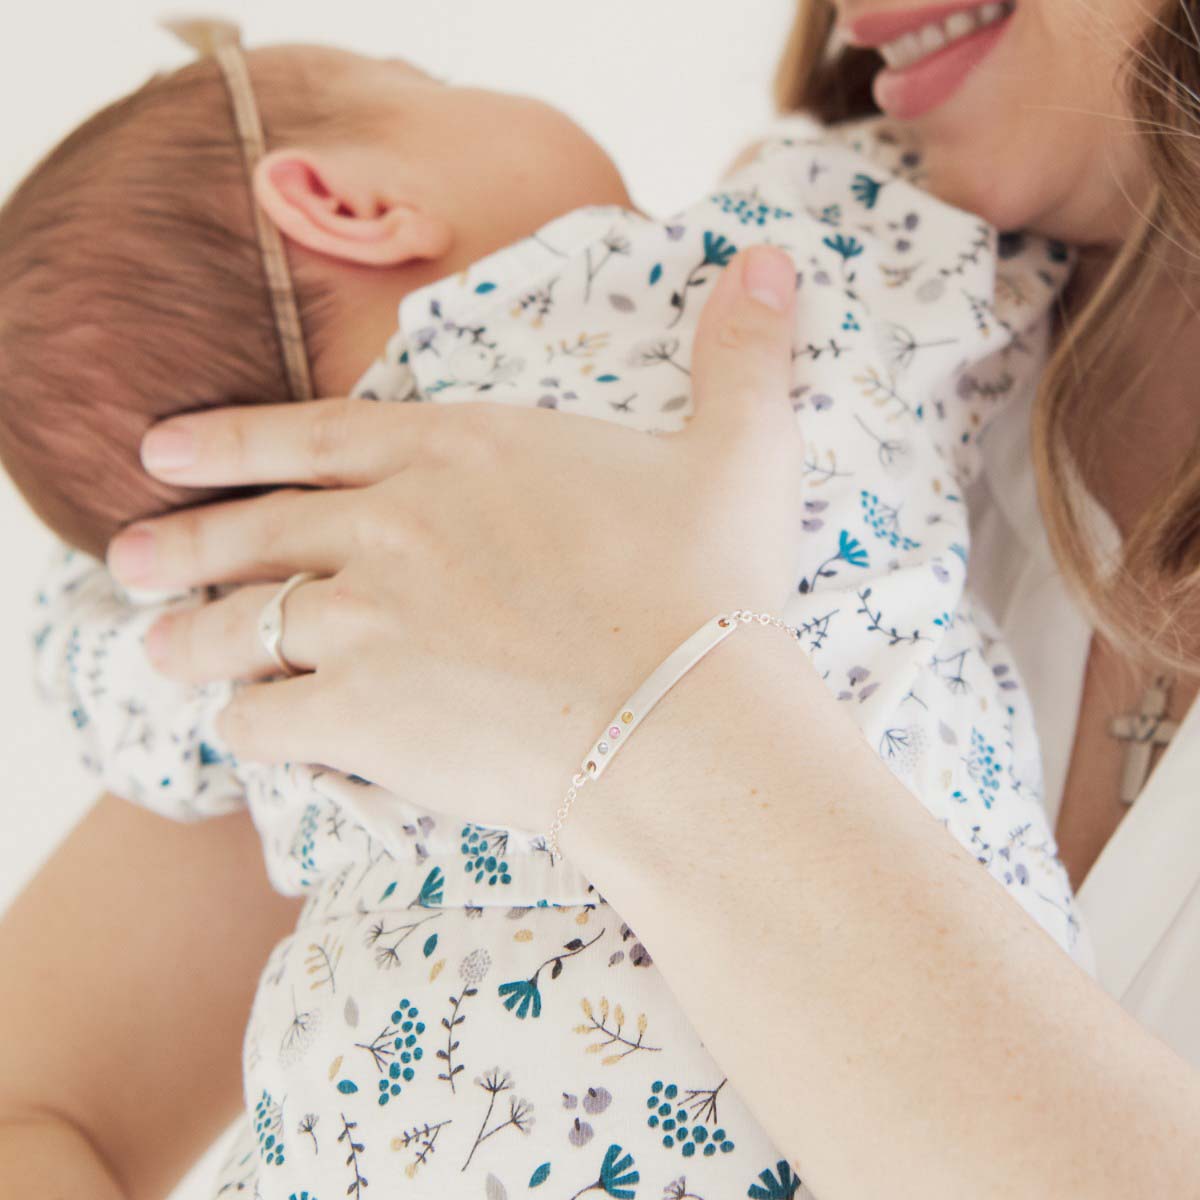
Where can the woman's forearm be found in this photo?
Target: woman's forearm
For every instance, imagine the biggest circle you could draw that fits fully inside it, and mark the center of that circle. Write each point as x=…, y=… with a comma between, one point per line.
x=897, y=1023
x=130, y=963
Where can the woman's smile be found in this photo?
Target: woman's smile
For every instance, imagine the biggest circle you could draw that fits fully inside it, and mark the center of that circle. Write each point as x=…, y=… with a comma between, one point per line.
x=929, y=52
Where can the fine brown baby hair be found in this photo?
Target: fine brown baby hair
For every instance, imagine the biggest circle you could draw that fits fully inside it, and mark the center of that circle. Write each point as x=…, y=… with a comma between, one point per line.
x=133, y=287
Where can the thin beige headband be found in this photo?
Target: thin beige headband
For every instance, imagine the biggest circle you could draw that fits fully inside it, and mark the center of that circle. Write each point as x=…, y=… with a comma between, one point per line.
x=222, y=40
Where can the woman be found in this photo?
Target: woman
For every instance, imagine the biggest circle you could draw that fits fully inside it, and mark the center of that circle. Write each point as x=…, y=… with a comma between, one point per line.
x=890, y=942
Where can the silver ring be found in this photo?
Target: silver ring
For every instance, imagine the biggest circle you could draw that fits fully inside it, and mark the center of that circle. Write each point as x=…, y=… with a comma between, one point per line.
x=270, y=621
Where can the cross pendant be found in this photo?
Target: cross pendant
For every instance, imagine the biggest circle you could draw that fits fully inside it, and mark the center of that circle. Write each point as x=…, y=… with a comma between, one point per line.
x=1144, y=730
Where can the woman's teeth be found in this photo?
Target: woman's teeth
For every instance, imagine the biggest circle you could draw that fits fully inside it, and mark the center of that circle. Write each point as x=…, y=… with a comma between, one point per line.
x=910, y=49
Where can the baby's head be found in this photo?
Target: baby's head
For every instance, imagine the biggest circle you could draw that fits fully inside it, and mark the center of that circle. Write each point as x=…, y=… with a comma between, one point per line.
x=131, y=279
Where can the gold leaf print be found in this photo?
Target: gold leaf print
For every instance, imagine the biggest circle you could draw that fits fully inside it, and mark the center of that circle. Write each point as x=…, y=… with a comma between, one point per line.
x=821, y=466
x=335, y=1066
x=436, y=969
x=1008, y=289
x=586, y=1005
x=612, y=1034
x=582, y=919
x=586, y=345
x=321, y=962
x=523, y=935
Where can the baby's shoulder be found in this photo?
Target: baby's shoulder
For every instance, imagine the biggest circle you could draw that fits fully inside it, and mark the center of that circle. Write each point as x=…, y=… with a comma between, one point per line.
x=815, y=158
x=859, y=183
x=868, y=178
x=884, y=144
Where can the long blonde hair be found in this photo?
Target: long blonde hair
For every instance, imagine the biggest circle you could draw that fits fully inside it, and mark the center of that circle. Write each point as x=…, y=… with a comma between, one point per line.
x=1139, y=604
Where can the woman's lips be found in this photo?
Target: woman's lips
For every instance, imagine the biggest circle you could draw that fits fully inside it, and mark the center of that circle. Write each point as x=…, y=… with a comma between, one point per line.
x=874, y=29
x=914, y=91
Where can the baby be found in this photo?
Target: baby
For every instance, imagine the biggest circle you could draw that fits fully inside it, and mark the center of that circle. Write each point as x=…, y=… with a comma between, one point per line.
x=455, y=1001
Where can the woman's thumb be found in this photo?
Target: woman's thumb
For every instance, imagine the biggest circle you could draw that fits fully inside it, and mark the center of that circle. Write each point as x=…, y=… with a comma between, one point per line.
x=742, y=360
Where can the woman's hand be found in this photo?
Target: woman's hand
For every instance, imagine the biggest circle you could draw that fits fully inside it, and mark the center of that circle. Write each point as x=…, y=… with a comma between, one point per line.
x=495, y=579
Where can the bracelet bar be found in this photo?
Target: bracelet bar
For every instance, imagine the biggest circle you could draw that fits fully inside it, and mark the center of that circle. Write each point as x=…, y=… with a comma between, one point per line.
x=660, y=681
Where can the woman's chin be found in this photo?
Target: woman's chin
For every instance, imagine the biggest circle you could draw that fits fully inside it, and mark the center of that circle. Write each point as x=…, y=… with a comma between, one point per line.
x=1000, y=192
x=977, y=185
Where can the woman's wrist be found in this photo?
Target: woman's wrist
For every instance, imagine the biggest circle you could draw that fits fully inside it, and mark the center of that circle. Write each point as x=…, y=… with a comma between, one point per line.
x=759, y=847
x=729, y=725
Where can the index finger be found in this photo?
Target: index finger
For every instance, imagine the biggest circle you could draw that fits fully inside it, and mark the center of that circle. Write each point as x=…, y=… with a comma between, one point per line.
x=327, y=443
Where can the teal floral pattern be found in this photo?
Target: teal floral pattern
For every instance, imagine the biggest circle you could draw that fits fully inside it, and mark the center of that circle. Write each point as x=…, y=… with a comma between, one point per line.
x=484, y=850
x=457, y=1013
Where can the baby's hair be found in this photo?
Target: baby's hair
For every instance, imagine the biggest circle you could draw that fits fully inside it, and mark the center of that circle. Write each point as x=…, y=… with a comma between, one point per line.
x=131, y=288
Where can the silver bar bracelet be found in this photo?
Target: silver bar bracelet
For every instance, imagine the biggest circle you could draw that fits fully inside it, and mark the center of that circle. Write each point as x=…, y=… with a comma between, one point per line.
x=660, y=681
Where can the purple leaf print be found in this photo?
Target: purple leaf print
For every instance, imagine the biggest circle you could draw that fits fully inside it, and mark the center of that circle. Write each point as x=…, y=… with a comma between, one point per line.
x=597, y=1100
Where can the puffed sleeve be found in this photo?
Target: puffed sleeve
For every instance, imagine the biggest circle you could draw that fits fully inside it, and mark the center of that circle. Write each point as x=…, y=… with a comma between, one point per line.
x=146, y=738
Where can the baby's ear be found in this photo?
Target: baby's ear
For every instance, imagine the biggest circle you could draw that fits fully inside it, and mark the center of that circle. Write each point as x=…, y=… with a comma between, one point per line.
x=329, y=202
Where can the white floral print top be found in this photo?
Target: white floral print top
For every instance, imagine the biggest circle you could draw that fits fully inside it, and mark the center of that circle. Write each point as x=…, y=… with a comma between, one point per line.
x=456, y=1014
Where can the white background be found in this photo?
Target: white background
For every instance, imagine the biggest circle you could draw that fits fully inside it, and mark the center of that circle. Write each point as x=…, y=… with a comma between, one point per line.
x=671, y=88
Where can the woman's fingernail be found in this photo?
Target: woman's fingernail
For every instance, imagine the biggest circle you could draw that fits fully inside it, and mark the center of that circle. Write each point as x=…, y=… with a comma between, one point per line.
x=168, y=448
x=131, y=556
x=156, y=642
x=769, y=277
